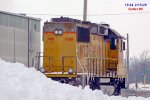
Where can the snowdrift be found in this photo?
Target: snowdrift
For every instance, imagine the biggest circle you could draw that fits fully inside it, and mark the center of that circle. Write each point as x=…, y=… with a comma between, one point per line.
x=18, y=82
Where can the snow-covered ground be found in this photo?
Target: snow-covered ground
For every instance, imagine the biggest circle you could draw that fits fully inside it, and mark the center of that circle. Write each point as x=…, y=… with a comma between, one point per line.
x=140, y=86
x=18, y=82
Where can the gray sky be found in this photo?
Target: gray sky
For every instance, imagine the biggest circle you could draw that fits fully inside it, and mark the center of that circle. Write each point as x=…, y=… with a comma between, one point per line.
x=137, y=25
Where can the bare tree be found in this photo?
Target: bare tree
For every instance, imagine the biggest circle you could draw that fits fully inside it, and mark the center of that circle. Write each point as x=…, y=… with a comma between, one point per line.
x=140, y=68
x=144, y=58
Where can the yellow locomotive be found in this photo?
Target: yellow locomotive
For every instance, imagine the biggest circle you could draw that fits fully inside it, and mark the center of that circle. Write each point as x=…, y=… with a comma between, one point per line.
x=83, y=53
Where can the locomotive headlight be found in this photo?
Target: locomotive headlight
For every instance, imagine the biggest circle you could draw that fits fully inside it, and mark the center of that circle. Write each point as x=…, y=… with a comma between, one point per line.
x=56, y=31
x=70, y=71
x=60, y=32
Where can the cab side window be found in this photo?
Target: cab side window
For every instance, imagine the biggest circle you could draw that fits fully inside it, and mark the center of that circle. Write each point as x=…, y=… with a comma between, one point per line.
x=113, y=44
x=83, y=34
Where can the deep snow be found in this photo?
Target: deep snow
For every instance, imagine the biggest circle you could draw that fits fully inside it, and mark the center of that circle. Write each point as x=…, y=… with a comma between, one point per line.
x=18, y=82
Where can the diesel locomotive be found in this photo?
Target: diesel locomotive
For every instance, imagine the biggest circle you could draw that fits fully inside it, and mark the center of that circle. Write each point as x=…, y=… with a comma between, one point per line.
x=82, y=53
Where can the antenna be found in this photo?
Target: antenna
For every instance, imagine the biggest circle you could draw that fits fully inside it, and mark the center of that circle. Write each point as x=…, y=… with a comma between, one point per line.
x=85, y=11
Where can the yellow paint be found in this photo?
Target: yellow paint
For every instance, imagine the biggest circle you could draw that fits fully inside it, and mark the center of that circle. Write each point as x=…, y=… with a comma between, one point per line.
x=62, y=52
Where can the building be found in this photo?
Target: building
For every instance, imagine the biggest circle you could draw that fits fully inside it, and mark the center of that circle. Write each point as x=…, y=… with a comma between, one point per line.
x=19, y=37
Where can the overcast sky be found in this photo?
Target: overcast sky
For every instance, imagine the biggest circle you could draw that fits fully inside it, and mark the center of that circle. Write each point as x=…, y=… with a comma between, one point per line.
x=137, y=25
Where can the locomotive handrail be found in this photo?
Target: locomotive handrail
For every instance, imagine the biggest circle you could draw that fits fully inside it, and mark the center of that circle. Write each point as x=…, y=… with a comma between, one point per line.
x=63, y=57
x=82, y=66
x=36, y=60
x=101, y=58
x=99, y=61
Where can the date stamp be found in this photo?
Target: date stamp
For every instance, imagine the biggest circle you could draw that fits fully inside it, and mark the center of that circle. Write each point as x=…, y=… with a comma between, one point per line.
x=136, y=6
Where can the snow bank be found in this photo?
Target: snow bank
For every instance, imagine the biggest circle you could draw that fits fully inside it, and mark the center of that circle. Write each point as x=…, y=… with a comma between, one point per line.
x=140, y=86
x=18, y=82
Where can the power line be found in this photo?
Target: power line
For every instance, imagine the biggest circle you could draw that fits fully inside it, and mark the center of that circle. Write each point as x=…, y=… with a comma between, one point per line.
x=107, y=14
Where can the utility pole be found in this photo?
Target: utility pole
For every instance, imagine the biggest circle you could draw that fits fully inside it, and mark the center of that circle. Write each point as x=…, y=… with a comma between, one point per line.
x=127, y=61
x=85, y=11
